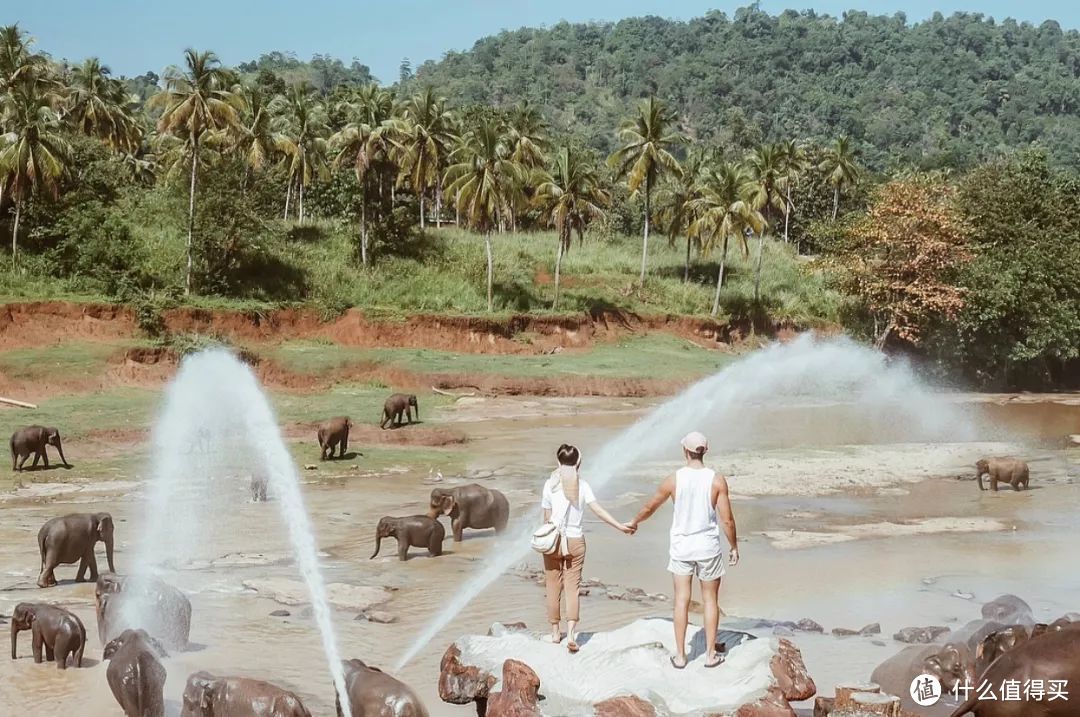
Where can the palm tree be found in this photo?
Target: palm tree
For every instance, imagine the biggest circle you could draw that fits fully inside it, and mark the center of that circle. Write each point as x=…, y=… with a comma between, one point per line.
x=725, y=210
x=303, y=123
x=17, y=59
x=571, y=197
x=97, y=107
x=767, y=168
x=364, y=142
x=840, y=168
x=525, y=132
x=422, y=149
x=34, y=155
x=674, y=200
x=254, y=140
x=481, y=181
x=196, y=100
x=644, y=156
x=795, y=163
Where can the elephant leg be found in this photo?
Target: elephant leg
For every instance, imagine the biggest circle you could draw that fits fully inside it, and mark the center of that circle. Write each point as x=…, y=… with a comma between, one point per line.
x=344, y=443
x=91, y=562
x=38, y=644
x=45, y=457
x=434, y=547
x=37, y=457
x=47, y=577
x=61, y=649
x=457, y=525
x=402, y=550
x=22, y=460
x=993, y=482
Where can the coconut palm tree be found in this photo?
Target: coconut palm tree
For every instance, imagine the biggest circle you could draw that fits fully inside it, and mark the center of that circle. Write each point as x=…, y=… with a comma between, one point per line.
x=34, y=155
x=795, y=163
x=525, y=132
x=254, y=140
x=97, y=106
x=768, y=172
x=481, y=179
x=645, y=156
x=423, y=146
x=571, y=197
x=674, y=198
x=725, y=210
x=196, y=100
x=363, y=143
x=840, y=168
x=302, y=121
x=17, y=59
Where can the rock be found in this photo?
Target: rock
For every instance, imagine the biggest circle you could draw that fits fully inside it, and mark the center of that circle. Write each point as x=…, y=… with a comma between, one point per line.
x=378, y=616
x=280, y=613
x=871, y=629
x=356, y=598
x=783, y=631
x=461, y=684
x=879, y=643
x=758, y=678
x=628, y=706
x=822, y=706
x=520, y=693
x=311, y=467
x=845, y=692
x=920, y=635
x=808, y=625
x=963, y=595
x=844, y=632
x=499, y=629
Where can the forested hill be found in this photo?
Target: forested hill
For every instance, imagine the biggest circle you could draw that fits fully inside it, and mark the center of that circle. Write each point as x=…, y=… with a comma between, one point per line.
x=946, y=92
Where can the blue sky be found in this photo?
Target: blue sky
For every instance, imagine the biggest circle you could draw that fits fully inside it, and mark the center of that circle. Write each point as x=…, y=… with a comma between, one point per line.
x=133, y=36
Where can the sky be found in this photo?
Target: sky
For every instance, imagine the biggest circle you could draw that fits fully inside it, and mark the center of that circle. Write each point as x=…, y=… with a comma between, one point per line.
x=133, y=36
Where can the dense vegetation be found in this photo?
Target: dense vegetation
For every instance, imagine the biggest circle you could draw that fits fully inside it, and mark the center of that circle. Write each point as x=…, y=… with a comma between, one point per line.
x=284, y=181
x=947, y=92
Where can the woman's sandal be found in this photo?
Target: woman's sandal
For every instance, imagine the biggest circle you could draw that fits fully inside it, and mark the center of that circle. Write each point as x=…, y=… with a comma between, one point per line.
x=572, y=646
x=676, y=665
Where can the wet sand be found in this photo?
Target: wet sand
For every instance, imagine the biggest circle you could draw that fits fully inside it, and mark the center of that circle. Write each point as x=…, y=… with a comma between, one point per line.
x=830, y=477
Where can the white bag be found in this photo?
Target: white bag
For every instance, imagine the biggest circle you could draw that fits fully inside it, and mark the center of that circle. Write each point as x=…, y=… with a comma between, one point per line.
x=548, y=537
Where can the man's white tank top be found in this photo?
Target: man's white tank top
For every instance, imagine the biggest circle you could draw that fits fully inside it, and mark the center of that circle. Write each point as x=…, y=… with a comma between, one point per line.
x=694, y=531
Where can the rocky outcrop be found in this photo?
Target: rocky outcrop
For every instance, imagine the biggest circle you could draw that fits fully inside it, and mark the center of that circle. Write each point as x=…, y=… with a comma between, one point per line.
x=628, y=674
x=920, y=635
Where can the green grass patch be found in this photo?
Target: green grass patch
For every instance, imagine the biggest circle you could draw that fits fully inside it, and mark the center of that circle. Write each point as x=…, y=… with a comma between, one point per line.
x=70, y=360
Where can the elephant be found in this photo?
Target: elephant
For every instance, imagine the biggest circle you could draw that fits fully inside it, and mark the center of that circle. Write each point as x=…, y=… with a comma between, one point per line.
x=34, y=439
x=373, y=693
x=1052, y=658
x=419, y=531
x=60, y=632
x=998, y=643
x=470, y=506
x=259, y=482
x=1002, y=470
x=396, y=406
x=136, y=675
x=1008, y=609
x=334, y=433
x=208, y=696
x=72, y=538
x=163, y=611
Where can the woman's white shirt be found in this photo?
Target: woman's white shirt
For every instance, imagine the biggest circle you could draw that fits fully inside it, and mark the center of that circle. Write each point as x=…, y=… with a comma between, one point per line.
x=555, y=500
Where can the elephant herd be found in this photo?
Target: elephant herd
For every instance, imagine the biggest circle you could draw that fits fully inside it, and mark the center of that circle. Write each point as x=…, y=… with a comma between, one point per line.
x=140, y=619
x=1006, y=645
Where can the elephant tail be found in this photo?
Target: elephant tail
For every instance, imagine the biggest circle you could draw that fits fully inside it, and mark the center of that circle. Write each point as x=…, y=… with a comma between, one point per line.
x=41, y=547
x=79, y=652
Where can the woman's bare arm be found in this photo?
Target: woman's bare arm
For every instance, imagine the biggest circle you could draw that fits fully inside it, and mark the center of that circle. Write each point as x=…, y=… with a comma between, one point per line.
x=606, y=517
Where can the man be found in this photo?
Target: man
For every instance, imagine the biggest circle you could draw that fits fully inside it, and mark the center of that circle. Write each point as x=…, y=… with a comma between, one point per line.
x=700, y=495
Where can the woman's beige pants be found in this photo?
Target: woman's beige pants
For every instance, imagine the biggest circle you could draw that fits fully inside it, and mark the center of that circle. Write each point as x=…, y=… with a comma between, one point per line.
x=562, y=573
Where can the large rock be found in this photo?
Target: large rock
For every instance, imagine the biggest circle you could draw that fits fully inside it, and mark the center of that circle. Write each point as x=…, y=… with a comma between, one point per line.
x=626, y=706
x=759, y=677
x=520, y=693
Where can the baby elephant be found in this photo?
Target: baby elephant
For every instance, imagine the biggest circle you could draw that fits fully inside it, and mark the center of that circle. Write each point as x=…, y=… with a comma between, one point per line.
x=34, y=439
x=373, y=693
x=135, y=675
x=60, y=632
x=334, y=433
x=1002, y=470
x=418, y=531
x=210, y=696
x=398, y=405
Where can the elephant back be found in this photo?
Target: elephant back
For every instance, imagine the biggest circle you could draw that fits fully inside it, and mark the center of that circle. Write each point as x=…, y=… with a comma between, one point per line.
x=150, y=604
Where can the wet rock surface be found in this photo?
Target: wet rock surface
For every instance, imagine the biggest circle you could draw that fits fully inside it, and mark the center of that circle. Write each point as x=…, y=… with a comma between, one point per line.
x=920, y=635
x=628, y=674
x=343, y=596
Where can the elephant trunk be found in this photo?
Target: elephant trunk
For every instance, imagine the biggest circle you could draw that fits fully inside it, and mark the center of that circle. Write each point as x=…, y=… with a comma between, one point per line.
x=416, y=410
x=378, y=546
x=980, y=479
x=60, y=450
x=14, y=637
x=434, y=513
x=109, y=552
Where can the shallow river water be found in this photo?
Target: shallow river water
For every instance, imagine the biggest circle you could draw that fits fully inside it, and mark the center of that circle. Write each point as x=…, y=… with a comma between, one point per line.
x=818, y=471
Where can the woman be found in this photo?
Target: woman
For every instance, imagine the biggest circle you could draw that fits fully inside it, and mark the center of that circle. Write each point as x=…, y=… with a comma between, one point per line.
x=564, y=501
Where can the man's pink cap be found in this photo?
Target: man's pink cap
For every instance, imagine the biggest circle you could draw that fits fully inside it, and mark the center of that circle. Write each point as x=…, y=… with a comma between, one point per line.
x=695, y=442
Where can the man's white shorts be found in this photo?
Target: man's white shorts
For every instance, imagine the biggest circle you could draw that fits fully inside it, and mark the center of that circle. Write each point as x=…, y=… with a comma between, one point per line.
x=708, y=570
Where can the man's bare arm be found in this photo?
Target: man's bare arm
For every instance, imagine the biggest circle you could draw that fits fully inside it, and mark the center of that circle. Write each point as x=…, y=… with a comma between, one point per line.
x=665, y=491
x=727, y=518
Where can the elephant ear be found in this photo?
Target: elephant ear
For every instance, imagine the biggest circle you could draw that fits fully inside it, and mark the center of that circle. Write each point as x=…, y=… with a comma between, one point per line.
x=111, y=647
